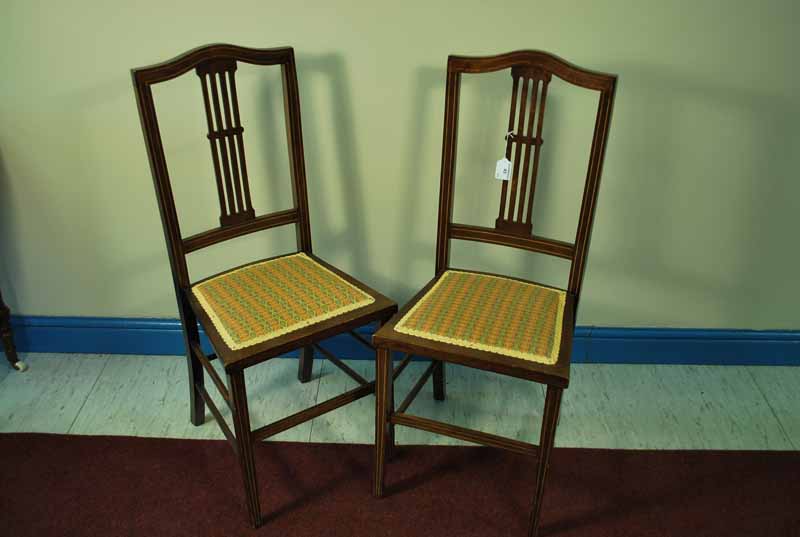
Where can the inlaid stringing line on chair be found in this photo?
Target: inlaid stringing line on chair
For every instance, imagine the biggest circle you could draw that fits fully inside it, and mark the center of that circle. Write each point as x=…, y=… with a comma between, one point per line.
x=449, y=153
x=294, y=140
x=223, y=425
x=522, y=190
x=222, y=147
x=537, y=149
x=231, y=142
x=240, y=140
x=412, y=394
x=527, y=159
x=341, y=365
x=517, y=153
x=509, y=142
x=226, y=140
x=590, y=191
x=213, y=144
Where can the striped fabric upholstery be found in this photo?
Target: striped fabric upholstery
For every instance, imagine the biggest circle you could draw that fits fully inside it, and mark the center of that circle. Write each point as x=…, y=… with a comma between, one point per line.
x=265, y=300
x=490, y=313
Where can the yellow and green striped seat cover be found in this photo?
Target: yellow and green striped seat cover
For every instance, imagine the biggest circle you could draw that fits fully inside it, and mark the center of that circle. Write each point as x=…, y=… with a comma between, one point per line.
x=490, y=313
x=265, y=300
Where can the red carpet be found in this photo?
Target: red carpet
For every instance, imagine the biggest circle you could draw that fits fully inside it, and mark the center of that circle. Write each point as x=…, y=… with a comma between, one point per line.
x=53, y=485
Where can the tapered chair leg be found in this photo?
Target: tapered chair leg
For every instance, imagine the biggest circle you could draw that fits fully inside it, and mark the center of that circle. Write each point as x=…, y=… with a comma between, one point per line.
x=196, y=403
x=390, y=445
x=306, y=364
x=547, y=437
x=390, y=426
x=383, y=434
x=244, y=443
x=439, y=381
x=191, y=334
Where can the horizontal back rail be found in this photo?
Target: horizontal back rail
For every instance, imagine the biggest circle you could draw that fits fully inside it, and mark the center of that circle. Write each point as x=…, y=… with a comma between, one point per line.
x=533, y=243
x=260, y=223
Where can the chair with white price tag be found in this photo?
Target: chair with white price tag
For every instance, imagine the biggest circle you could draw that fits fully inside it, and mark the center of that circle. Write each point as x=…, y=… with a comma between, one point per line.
x=513, y=327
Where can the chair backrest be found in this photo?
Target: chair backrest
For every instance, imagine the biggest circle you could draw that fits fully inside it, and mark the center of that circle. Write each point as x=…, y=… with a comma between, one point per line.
x=532, y=70
x=215, y=65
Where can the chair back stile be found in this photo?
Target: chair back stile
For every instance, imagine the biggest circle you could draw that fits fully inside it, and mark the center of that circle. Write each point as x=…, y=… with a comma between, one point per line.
x=215, y=65
x=531, y=73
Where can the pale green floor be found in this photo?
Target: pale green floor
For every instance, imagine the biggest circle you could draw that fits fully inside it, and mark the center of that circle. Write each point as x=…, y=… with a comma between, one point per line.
x=606, y=406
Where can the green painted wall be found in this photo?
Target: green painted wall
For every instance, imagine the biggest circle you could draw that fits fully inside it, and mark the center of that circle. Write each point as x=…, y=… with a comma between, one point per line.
x=697, y=220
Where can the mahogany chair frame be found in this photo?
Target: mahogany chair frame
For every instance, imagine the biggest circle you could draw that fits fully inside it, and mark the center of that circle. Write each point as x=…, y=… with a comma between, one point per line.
x=216, y=65
x=513, y=227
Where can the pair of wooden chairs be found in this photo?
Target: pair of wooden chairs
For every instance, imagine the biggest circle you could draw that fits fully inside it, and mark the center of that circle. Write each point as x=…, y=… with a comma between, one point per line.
x=265, y=309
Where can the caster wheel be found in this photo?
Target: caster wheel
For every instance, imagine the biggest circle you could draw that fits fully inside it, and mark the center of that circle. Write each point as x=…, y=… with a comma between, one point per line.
x=21, y=366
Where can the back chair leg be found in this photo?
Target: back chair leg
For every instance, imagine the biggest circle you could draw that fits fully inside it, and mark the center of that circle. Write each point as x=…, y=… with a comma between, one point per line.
x=439, y=381
x=384, y=434
x=306, y=364
x=244, y=445
x=7, y=338
x=547, y=437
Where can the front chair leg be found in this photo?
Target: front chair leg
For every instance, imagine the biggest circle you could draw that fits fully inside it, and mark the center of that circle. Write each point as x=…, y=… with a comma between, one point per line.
x=306, y=364
x=196, y=402
x=244, y=443
x=547, y=437
x=191, y=334
x=439, y=381
x=383, y=428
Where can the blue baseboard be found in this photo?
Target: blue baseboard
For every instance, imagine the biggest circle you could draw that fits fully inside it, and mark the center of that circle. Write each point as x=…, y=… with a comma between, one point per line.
x=103, y=335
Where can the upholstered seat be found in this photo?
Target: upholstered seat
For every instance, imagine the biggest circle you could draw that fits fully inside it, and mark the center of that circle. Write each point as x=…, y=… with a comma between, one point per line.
x=490, y=313
x=271, y=298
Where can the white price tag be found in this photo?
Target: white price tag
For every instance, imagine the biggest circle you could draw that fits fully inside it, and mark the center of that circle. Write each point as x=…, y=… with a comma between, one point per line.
x=503, y=169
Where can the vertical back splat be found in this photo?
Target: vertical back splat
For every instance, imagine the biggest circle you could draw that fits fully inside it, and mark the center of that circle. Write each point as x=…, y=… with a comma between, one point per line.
x=513, y=199
x=217, y=78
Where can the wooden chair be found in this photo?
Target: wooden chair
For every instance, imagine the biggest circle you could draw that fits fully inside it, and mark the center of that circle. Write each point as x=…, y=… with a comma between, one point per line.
x=264, y=309
x=509, y=326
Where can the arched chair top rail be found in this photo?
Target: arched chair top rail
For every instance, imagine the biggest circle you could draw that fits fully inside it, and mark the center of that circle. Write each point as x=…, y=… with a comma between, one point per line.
x=534, y=58
x=161, y=72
